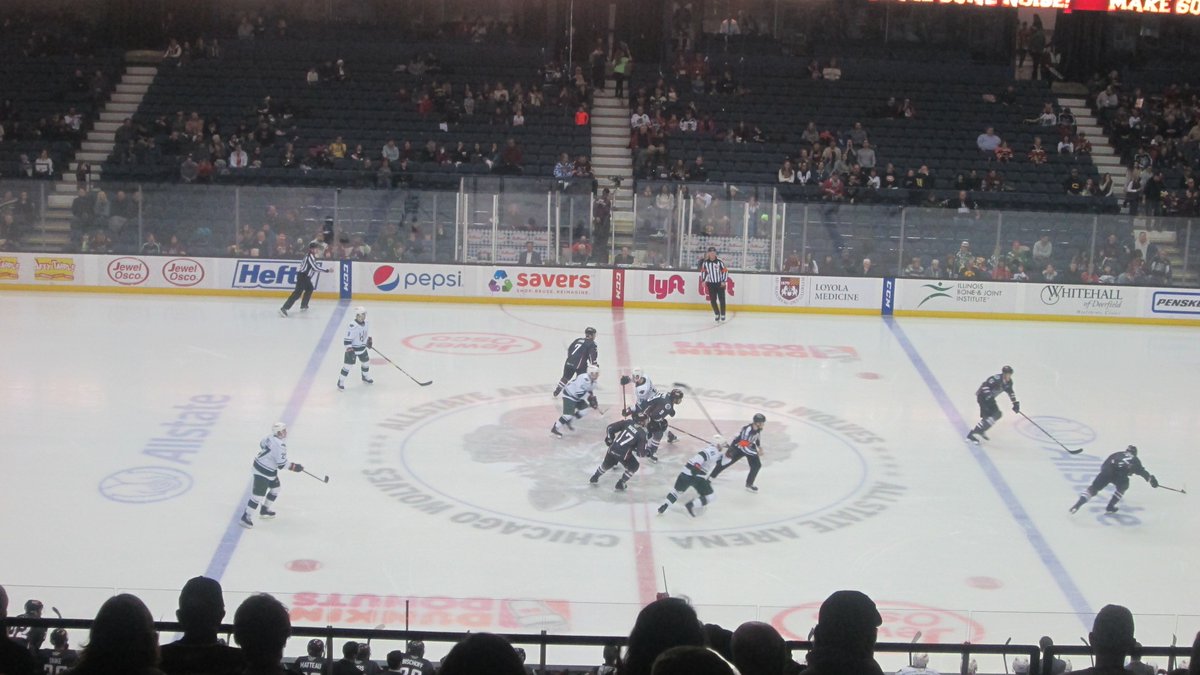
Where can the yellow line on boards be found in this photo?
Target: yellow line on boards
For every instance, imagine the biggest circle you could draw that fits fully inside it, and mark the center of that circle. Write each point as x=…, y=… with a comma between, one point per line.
x=1003, y=316
x=139, y=290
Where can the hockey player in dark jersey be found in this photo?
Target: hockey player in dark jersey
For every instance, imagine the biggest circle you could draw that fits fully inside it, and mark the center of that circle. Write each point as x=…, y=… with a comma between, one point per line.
x=986, y=395
x=580, y=355
x=696, y=475
x=59, y=659
x=313, y=663
x=1116, y=471
x=657, y=409
x=626, y=440
x=27, y=637
x=412, y=661
x=748, y=444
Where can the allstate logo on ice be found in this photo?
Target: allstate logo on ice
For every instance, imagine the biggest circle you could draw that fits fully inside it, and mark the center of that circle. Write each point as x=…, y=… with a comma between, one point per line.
x=386, y=278
x=500, y=282
x=145, y=484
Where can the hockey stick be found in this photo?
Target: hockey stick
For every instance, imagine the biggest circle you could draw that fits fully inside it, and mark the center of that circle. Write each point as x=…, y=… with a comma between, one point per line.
x=1090, y=655
x=323, y=479
x=688, y=433
x=1069, y=451
x=698, y=404
x=59, y=614
x=419, y=383
x=1182, y=491
x=1004, y=656
x=914, y=641
x=666, y=588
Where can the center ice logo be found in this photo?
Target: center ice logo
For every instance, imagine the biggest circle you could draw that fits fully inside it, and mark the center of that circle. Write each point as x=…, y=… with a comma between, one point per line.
x=500, y=282
x=145, y=484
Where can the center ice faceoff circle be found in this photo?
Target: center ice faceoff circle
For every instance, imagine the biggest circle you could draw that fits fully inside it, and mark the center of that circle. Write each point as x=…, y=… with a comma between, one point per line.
x=486, y=460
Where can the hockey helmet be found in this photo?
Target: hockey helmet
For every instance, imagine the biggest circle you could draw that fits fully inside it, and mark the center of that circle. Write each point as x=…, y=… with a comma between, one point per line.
x=589, y=332
x=58, y=637
x=360, y=311
x=1007, y=370
x=676, y=395
x=639, y=418
x=316, y=647
x=637, y=373
x=760, y=418
x=1132, y=450
x=33, y=606
x=593, y=371
x=416, y=648
x=921, y=660
x=279, y=429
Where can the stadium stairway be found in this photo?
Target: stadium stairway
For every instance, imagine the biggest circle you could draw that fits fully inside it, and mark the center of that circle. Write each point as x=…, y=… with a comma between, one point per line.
x=1104, y=155
x=96, y=147
x=611, y=160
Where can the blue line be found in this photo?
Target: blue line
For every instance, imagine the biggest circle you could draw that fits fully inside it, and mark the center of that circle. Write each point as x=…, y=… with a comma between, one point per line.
x=1053, y=565
x=233, y=531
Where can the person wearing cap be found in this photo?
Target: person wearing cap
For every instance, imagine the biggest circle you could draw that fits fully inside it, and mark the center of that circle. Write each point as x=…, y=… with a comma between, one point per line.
x=27, y=637
x=201, y=609
x=985, y=396
x=15, y=659
x=963, y=258
x=844, y=639
x=714, y=276
x=306, y=280
x=1112, y=640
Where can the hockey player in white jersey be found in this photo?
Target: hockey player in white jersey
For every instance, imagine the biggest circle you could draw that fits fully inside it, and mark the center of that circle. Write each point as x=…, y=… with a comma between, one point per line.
x=577, y=398
x=643, y=390
x=271, y=459
x=357, y=342
x=696, y=474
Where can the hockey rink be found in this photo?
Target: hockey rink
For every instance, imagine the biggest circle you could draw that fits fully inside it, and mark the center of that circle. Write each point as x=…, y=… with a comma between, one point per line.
x=128, y=426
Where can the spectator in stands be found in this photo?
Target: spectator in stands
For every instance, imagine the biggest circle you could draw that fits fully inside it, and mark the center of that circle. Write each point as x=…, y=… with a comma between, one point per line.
x=1133, y=193
x=1037, y=153
x=698, y=171
x=565, y=168
x=484, y=653
x=529, y=256
x=623, y=257
x=201, y=608
x=622, y=66
x=1112, y=638
x=1066, y=146
x=1154, y=191
x=1083, y=145
x=786, y=173
x=122, y=640
x=833, y=189
x=1003, y=152
x=844, y=638
x=832, y=72
x=865, y=269
x=1160, y=270
x=692, y=661
x=189, y=170
x=1046, y=118
x=962, y=259
x=238, y=159
x=661, y=625
x=581, y=250
x=914, y=268
x=1105, y=187
x=1043, y=250
x=512, y=159
x=866, y=155
x=43, y=166
x=81, y=209
x=173, y=55
x=1073, y=183
x=988, y=141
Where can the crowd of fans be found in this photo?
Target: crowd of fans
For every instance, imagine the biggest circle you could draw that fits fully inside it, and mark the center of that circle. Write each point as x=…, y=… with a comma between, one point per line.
x=667, y=638
x=1157, y=133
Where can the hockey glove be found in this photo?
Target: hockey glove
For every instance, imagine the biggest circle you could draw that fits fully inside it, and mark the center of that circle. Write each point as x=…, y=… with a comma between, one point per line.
x=626, y=412
x=370, y=343
x=296, y=467
x=625, y=380
x=1016, y=406
x=1153, y=482
x=593, y=402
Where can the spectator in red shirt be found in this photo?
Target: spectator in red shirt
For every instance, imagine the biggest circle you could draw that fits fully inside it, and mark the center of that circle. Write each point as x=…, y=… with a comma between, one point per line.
x=511, y=158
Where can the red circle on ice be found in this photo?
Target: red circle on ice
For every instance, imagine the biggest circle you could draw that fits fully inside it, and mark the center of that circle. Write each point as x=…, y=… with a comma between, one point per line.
x=987, y=583
x=472, y=344
x=303, y=565
x=869, y=376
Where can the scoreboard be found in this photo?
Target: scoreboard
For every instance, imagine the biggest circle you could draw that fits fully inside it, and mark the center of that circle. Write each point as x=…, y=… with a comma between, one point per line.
x=1168, y=7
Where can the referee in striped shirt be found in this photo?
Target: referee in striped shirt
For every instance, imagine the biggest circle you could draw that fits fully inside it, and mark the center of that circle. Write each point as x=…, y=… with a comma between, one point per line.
x=714, y=274
x=306, y=280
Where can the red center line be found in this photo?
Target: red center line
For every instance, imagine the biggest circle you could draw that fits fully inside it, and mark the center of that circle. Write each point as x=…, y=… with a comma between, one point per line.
x=643, y=542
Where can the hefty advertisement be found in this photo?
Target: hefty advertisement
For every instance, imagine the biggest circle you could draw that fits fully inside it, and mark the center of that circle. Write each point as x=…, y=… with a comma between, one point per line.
x=273, y=274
